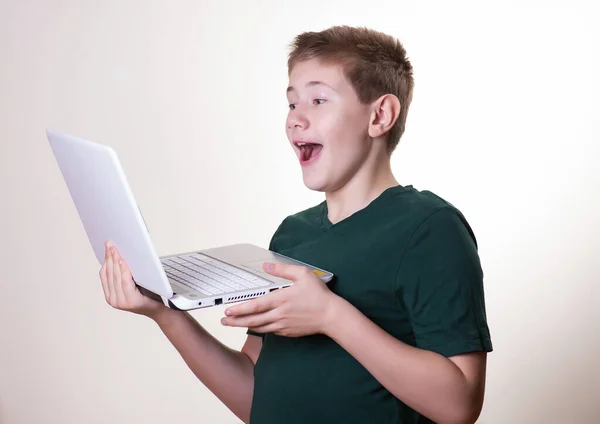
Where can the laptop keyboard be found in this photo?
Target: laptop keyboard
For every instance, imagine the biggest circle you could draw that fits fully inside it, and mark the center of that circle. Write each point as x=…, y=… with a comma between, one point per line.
x=209, y=276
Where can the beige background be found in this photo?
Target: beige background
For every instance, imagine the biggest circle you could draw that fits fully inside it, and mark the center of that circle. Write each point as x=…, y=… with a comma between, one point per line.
x=191, y=95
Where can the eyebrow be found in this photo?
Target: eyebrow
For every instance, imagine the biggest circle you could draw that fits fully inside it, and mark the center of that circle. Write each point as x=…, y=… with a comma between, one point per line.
x=311, y=84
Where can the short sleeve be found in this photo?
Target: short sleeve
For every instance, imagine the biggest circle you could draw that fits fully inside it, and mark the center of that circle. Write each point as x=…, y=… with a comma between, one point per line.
x=254, y=333
x=440, y=284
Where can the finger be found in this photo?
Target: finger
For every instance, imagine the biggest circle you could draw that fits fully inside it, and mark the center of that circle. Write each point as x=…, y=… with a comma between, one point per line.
x=103, y=280
x=250, y=321
x=109, y=277
x=287, y=271
x=127, y=282
x=121, y=300
x=256, y=306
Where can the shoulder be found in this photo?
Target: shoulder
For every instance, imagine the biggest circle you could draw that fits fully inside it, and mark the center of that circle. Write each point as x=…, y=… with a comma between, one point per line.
x=420, y=204
x=296, y=227
x=428, y=212
x=310, y=216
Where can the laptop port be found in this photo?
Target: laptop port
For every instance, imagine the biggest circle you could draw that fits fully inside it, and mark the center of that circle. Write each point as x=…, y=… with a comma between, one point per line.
x=218, y=301
x=272, y=290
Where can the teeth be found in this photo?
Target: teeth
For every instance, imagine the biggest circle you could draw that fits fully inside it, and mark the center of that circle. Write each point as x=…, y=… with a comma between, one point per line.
x=301, y=144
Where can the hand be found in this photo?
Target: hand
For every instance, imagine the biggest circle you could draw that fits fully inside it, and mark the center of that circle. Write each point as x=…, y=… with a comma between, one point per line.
x=300, y=310
x=119, y=288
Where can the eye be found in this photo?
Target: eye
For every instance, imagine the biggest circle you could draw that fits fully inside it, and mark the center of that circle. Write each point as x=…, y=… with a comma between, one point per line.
x=292, y=106
x=319, y=101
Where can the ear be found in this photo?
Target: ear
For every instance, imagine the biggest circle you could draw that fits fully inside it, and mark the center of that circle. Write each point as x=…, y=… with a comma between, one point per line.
x=384, y=114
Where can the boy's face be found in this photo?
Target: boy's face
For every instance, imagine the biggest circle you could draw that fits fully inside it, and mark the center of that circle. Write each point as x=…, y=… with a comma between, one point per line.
x=326, y=114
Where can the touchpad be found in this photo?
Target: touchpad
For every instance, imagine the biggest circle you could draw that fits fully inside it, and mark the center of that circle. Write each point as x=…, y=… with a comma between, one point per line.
x=255, y=266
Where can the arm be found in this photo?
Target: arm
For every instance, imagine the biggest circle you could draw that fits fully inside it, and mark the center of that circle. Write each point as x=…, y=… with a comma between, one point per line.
x=227, y=373
x=439, y=283
x=446, y=390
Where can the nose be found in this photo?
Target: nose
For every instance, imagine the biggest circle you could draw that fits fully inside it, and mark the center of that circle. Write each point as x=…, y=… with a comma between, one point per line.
x=297, y=120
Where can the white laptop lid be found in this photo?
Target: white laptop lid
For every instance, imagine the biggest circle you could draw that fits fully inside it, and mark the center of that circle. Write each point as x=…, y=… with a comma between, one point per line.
x=107, y=208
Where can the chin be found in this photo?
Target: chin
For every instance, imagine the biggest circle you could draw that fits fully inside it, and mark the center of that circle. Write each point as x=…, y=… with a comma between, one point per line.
x=315, y=184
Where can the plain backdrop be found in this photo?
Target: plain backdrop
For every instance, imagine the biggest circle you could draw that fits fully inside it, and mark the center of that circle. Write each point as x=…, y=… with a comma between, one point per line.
x=191, y=94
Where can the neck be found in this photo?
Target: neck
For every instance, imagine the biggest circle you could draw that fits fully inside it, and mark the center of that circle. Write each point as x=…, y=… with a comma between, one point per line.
x=372, y=179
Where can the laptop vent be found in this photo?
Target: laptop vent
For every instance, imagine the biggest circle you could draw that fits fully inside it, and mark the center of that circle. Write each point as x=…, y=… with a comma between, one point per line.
x=246, y=296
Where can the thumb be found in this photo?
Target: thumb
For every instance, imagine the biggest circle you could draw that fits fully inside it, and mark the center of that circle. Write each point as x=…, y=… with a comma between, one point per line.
x=287, y=271
x=129, y=286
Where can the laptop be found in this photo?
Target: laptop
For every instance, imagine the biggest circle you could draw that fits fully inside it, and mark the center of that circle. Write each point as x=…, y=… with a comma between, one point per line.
x=186, y=281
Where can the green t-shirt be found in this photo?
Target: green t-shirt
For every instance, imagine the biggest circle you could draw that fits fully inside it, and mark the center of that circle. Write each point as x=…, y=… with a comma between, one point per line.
x=408, y=262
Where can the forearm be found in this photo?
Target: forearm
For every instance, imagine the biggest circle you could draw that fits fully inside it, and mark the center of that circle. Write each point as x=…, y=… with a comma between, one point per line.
x=428, y=382
x=227, y=373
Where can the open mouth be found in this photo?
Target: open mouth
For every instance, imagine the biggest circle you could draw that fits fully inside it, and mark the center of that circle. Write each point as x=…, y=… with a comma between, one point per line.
x=308, y=151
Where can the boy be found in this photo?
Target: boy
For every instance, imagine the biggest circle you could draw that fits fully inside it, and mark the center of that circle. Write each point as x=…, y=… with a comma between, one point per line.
x=400, y=335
